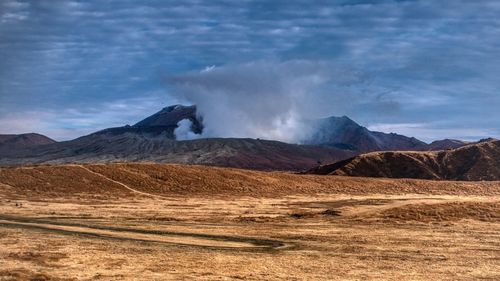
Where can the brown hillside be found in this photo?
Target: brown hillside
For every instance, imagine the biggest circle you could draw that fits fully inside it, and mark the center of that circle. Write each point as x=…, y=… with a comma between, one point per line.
x=169, y=180
x=480, y=161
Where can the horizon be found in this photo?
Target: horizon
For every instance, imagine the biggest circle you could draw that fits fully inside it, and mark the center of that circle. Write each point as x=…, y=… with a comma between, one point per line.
x=424, y=69
x=185, y=131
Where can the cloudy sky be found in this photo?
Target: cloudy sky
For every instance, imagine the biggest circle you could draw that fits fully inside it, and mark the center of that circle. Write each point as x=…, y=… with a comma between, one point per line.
x=424, y=68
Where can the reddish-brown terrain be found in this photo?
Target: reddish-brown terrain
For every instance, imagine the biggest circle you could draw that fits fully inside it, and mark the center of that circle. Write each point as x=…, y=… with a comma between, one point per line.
x=480, y=161
x=178, y=222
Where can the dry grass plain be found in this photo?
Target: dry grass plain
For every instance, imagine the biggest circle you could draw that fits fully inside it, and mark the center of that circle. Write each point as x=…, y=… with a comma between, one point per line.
x=173, y=222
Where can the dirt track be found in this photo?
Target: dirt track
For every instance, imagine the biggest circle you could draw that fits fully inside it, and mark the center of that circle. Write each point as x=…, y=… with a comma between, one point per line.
x=119, y=183
x=173, y=238
x=67, y=223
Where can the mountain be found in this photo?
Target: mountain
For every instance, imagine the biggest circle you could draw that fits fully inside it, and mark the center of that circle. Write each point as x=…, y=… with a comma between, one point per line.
x=153, y=139
x=9, y=142
x=162, y=123
x=479, y=161
x=170, y=116
x=105, y=147
x=344, y=133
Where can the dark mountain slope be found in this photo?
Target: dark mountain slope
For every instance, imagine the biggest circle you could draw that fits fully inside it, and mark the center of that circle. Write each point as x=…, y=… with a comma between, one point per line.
x=342, y=132
x=162, y=123
x=171, y=115
x=444, y=144
x=240, y=153
x=153, y=139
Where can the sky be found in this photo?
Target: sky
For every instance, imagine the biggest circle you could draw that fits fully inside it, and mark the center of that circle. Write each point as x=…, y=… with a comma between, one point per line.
x=423, y=68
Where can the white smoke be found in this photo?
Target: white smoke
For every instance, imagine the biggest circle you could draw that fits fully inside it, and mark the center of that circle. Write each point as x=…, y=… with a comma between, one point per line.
x=268, y=100
x=183, y=131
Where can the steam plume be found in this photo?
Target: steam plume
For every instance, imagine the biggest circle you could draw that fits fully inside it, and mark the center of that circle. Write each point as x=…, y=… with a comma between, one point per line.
x=269, y=100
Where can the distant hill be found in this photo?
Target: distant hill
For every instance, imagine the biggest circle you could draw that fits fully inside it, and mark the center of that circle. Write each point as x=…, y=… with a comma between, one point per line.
x=479, y=161
x=344, y=133
x=23, y=141
x=444, y=144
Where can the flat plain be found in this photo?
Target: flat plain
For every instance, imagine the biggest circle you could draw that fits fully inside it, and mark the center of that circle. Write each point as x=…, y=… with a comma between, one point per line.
x=174, y=222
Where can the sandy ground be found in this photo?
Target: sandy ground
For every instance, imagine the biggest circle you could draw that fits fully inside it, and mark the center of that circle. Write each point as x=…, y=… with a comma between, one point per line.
x=321, y=236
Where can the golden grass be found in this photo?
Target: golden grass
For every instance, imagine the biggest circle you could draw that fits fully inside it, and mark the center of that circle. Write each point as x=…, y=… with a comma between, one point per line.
x=168, y=179
x=449, y=211
x=53, y=181
x=67, y=223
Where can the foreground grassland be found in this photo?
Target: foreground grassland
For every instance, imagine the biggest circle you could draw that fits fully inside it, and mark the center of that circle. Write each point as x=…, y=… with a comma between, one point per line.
x=172, y=222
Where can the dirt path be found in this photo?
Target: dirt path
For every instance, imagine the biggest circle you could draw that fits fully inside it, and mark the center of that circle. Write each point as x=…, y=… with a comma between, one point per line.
x=175, y=238
x=122, y=184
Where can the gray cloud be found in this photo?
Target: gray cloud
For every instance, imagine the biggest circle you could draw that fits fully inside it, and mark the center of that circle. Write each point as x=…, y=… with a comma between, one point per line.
x=421, y=61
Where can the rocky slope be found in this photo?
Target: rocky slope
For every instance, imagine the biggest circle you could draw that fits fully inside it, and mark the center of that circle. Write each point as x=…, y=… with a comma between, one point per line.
x=479, y=161
x=105, y=147
x=153, y=139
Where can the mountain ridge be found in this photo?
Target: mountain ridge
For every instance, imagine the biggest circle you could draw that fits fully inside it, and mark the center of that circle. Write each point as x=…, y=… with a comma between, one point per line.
x=226, y=152
x=477, y=161
x=343, y=132
x=153, y=139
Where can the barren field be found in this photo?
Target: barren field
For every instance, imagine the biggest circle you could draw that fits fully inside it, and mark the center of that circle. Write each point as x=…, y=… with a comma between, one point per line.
x=173, y=222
